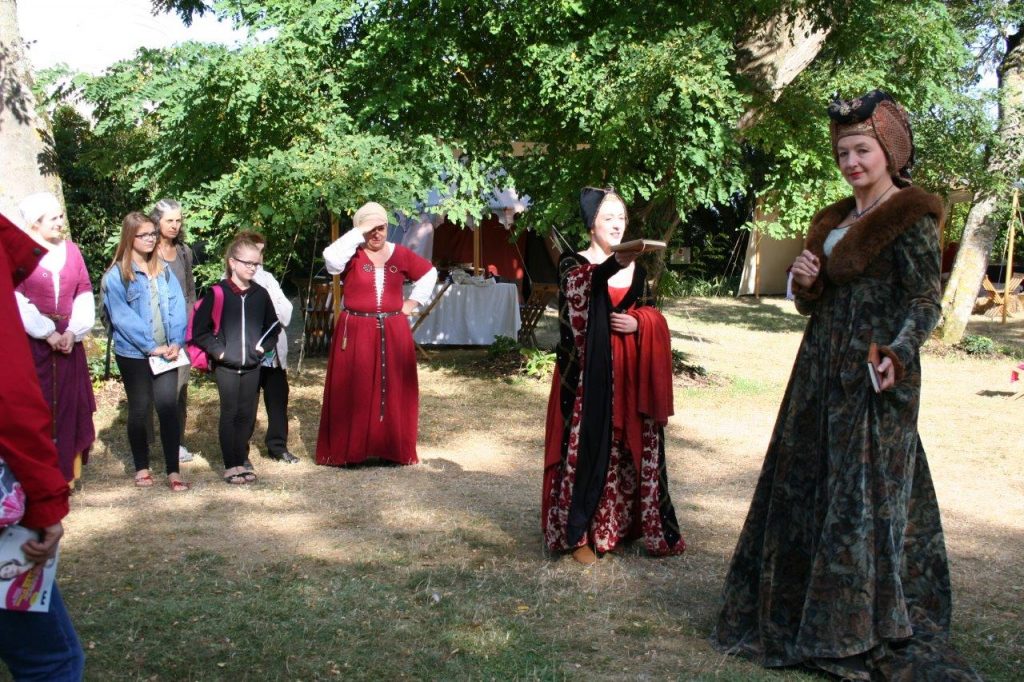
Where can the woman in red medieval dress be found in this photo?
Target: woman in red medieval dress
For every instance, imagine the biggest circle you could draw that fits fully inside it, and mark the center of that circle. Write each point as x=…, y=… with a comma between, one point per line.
x=371, y=396
x=605, y=479
x=58, y=312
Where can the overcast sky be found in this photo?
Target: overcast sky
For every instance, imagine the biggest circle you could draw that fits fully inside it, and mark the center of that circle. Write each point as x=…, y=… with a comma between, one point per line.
x=90, y=35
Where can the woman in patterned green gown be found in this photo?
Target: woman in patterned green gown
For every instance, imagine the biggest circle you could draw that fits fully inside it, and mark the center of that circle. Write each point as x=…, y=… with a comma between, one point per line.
x=841, y=564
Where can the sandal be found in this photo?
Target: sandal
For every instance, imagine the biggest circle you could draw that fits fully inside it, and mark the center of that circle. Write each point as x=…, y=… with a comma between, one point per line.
x=177, y=486
x=235, y=479
x=144, y=481
x=250, y=477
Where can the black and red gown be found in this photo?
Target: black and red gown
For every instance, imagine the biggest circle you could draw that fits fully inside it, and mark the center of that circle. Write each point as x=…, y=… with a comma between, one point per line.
x=371, y=395
x=605, y=479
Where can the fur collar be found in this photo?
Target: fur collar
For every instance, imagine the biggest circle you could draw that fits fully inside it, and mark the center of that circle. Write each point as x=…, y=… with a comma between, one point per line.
x=868, y=236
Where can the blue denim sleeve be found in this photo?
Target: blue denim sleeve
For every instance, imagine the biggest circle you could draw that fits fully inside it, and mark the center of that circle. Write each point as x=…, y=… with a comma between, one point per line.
x=126, y=321
x=177, y=315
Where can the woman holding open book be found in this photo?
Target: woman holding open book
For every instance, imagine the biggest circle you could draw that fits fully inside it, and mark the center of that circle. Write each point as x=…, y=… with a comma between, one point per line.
x=146, y=308
x=237, y=344
x=605, y=479
x=841, y=563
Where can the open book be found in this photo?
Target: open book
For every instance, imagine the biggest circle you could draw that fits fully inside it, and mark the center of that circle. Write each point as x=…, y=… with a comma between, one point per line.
x=267, y=333
x=639, y=246
x=159, y=365
x=874, y=357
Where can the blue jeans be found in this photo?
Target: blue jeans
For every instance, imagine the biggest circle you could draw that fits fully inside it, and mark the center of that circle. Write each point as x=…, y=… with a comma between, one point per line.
x=41, y=646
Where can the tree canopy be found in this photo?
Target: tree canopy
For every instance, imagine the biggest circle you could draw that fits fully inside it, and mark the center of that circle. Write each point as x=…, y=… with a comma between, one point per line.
x=331, y=103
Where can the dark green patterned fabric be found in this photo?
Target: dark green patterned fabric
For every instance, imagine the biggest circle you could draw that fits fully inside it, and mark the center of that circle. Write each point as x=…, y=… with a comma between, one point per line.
x=841, y=563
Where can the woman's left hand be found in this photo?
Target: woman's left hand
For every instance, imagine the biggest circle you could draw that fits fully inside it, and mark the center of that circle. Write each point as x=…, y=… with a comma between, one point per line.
x=626, y=258
x=172, y=352
x=409, y=306
x=886, y=374
x=623, y=323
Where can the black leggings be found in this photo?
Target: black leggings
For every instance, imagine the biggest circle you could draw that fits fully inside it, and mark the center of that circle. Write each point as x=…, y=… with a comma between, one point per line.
x=239, y=394
x=143, y=389
x=183, y=377
x=274, y=382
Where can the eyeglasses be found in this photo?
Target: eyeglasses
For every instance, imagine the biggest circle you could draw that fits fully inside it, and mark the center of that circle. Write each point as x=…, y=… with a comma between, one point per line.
x=150, y=236
x=247, y=263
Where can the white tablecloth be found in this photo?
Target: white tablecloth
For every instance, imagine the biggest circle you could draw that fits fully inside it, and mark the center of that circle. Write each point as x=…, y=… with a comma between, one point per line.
x=469, y=315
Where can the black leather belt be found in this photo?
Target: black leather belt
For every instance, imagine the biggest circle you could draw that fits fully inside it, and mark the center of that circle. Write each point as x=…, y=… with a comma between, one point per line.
x=379, y=316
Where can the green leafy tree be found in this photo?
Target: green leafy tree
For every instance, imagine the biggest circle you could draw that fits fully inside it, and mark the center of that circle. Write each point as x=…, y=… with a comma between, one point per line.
x=96, y=188
x=999, y=27
x=681, y=106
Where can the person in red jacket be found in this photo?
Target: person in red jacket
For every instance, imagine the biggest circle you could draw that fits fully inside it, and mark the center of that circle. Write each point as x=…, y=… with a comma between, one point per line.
x=32, y=645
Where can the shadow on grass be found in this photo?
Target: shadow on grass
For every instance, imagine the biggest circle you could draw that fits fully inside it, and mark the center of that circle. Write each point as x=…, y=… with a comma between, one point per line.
x=746, y=312
x=114, y=436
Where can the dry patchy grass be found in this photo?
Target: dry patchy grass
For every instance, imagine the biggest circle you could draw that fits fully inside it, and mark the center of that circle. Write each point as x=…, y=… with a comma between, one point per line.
x=438, y=572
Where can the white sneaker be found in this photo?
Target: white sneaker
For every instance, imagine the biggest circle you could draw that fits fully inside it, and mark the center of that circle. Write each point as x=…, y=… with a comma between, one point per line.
x=184, y=455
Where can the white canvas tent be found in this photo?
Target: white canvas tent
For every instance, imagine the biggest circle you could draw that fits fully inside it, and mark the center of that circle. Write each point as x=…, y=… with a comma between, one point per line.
x=765, y=263
x=416, y=232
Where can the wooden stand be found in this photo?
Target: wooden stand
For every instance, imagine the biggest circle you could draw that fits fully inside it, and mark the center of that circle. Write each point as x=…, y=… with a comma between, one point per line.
x=1014, y=215
x=426, y=313
x=335, y=279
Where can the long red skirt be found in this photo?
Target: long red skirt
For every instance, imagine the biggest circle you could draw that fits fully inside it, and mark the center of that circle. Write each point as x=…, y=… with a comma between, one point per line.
x=73, y=404
x=353, y=425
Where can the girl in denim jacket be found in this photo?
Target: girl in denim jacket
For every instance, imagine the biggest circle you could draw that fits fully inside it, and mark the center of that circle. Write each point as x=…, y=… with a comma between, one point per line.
x=147, y=313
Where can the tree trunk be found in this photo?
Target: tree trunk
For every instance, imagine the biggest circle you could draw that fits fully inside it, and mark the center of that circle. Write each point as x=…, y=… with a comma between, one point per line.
x=981, y=229
x=26, y=140
x=660, y=215
x=774, y=52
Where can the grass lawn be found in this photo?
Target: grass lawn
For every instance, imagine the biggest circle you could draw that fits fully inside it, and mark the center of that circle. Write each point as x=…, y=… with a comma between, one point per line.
x=438, y=571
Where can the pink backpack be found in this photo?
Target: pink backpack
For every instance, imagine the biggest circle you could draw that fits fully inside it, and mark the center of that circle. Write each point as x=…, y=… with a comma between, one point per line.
x=197, y=356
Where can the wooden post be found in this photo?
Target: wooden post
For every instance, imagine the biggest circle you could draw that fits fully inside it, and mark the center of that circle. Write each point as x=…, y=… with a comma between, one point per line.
x=335, y=279
x=947, y=202
x=1009, y=250
x=477, y=251
x=756, y=236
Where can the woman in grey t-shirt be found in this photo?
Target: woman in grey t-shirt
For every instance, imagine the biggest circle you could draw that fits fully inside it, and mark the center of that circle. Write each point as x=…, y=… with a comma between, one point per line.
x=178, y=258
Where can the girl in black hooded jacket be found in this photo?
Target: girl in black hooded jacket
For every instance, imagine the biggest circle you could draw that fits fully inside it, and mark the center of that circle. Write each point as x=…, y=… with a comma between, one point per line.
x=248, y=328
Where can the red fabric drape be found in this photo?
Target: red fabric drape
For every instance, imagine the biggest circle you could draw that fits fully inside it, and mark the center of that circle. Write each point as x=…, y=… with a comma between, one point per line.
x=654, y=381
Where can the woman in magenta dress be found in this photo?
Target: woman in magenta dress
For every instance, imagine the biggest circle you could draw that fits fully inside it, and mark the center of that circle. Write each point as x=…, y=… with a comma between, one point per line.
x=371, y=397
x=58, y=311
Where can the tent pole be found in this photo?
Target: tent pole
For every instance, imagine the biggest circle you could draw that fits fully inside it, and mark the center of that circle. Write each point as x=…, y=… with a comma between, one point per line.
x=306, y=305
x=335, y=279
x=755, y=234
x=757, y=263
x=477, y=267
